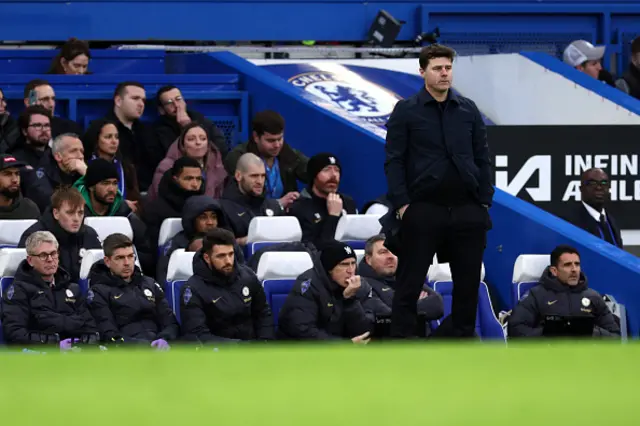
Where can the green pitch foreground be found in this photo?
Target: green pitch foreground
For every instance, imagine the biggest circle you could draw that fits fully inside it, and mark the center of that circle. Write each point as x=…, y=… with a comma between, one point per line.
x=466, y=385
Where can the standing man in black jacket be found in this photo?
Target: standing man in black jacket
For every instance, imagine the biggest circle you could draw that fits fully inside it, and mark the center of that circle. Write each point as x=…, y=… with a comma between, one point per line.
x=223, y=301
x=439, y=179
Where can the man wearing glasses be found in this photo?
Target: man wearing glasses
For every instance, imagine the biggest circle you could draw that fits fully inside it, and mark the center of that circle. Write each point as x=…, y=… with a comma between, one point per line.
x=39, y=92
x=591, y=215
x=43, y=305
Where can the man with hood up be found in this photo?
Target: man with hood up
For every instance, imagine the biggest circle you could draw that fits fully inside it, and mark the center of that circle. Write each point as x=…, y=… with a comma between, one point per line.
x=322, y=304
x=562, y=291
x=127, y=305
x=99, y=188
x=223, y=300
x=64, y=219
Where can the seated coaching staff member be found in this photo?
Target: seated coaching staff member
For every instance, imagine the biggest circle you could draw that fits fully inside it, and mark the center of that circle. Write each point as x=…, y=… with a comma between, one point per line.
x=439, y=179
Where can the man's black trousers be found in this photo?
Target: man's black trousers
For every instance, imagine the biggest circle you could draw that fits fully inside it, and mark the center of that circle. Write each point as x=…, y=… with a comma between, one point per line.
x=460, y=232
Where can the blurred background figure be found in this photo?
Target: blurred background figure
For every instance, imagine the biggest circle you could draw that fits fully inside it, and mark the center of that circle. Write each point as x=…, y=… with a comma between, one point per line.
x=73, y=58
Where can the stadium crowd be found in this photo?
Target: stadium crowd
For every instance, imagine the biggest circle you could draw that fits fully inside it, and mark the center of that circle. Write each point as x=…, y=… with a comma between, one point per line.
x=181, y=166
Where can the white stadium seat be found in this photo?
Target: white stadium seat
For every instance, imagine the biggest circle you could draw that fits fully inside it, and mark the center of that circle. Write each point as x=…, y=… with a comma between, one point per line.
x=442, y=272
x=529, y=267
x=276, y=265
x=12, y=230
x=90, y=257
x=278, y=228
x=169, y=228
x=106, y=226
x=357, y=227
x=10, y=259
x=359, y=255
x=180, y=265
x=377, y=209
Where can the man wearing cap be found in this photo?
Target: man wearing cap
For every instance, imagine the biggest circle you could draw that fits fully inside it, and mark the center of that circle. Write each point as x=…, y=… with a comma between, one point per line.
x=12, y=204
x=322, y=304
x=586, y=58
x=99, y=188
x=630, y=81
x=320, y=205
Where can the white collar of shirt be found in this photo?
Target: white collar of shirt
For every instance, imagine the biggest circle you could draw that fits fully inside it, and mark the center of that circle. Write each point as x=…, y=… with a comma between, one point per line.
x=593, y=212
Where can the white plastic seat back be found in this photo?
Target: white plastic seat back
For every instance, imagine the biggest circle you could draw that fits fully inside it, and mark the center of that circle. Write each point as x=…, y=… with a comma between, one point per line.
x=180, y=265
x=358, y=227
x=90, y=257
x=10, y=259
x=283, y=264
x=359, y=255
x=106, y=226
x=11, y=230
x=278, y=228
x=529, y=267
x=442, y=272
x=169, y=228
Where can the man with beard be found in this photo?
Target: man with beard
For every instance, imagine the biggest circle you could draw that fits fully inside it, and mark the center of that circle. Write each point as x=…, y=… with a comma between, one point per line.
x=182, y=181
x=174, y=115
x=320, y=205
x=127, y=305
x=563, y=291
x=99, y=187
x=590, y=214
x=35, y=128
x=223, y=300
x=44, y=305
x=64, y=219
x=378, y=269
x=243, y=198
x=40, y=92
x=12, y=204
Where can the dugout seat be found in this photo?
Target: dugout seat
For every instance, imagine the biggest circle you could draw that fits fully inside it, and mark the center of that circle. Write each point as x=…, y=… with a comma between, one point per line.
x=265, y=231
x=179, y=271
x=527, y=271
x=10, y=259
x=11, y=231
x=169, y=228
x=356, y=229
x=106, y=226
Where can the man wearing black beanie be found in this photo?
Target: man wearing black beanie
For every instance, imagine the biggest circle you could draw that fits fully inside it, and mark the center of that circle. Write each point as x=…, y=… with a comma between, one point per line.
x=320, y=205
x=99, y=188
x=322, y=304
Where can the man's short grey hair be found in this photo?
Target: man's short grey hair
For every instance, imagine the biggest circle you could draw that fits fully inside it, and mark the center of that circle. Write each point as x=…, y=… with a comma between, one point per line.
x=368, y=246
x=34, y=240
x=58, y=143
x=246, y=160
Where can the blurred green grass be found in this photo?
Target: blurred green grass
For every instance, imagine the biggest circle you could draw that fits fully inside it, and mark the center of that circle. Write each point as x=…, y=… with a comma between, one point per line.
x=423, y=384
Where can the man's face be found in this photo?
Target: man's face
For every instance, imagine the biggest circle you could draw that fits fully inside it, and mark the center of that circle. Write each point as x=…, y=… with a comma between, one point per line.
x=568, y=269
x=38, y=133
x=438, y=75
x=591, y=68
x=76, y=66
x=69, y=217
x=269, y=145
x=48, y=265
x=132, y=102
x=221, y=258
x=343, y=271
x=122, y=263
x=205, y=222
x=46, y=97
x=72, y=149
x=328, y=180
x=10, y=182
x=190, y=179
x=252, y=181
x=382, y=261
x=105, y=192
x=170, y=101
x=595, y=188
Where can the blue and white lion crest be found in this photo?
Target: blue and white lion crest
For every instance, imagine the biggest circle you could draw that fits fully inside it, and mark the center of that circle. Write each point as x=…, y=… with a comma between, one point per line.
x=351, y=99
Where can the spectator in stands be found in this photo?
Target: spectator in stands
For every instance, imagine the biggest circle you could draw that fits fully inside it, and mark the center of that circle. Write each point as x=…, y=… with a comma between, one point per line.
x=223, y=300
x=44, y=304
x=630, y=81
x=135, y=136
x=590, y=214
x=12, y=204
x=200, y=215
x=9, y=131
x=586, y=58
x=320, y=206
x=174, y=116
x=195, y=244
x=378, y=268
x=65, y=221
x=99, y=187
x=563, y=291
x=126, y=304
x=73, y=58
x=40, y=92
x=33, y=145
x=243, y=198
x=284, y=165
x=104, y=138
x=194, y=143
x=182, y=181
x=323, y=304
x=62, y=166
